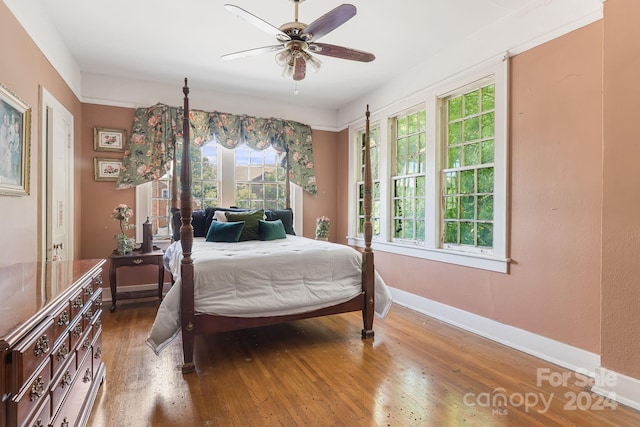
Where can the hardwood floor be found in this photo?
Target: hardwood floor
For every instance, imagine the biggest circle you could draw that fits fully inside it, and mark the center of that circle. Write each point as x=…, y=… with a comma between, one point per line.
x=417, y=371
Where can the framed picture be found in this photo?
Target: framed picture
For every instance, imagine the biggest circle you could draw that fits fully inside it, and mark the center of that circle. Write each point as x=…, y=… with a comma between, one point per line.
x=108, y=139
x=106, y=169
x=15, y=144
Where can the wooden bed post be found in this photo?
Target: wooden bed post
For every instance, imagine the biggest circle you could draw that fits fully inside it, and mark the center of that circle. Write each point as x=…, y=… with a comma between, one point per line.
x=368, y=273
x=186, y=239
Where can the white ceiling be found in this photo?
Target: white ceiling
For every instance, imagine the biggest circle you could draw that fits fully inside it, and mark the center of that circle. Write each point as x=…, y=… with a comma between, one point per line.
x=163, y=41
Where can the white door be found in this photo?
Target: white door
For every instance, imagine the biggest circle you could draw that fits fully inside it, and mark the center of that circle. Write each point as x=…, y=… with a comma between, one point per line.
x=57, y=128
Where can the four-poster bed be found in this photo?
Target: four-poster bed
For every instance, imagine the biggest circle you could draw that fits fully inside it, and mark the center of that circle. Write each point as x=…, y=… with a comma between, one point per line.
x=365, y=288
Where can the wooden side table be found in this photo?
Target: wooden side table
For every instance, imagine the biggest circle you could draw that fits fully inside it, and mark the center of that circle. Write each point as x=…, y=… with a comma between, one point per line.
x=135, y=259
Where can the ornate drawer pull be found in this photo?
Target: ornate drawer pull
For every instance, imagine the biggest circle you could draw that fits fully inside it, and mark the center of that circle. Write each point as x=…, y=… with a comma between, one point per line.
x=88, y=291
x=86, y=344
x=65, y=423
x=88, y=376
x=42, y=346
x=98, y=323
x=88, y=315
x=66, y=380
x=63, y=320
x=63, y=352
x=98, y=280
x=98, y=353
x=78, y=303
x=77, y=331
x=37, y=389
x=138, y=261
x=38, y=423
x=98, y=301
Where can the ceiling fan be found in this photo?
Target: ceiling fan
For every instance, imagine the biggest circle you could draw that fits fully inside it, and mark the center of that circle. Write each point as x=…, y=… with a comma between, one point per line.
x=297, y=42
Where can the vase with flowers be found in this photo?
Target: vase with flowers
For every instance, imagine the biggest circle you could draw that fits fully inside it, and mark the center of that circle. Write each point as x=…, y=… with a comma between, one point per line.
x=322, y=228
x=122, y=213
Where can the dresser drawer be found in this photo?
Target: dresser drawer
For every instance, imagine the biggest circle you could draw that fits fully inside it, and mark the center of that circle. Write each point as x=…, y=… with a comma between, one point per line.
x=76, y=333
x=60, y=354
x=61, y=385
x=97, y=351
x=68, y=413
x=30, y=353
x=61, y=319
x=42, y=418
x=33, y=394
x=77, y=303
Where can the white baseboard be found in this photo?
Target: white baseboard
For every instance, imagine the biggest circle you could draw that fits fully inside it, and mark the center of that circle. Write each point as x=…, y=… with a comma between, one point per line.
x=618, y=387
x=556, y=352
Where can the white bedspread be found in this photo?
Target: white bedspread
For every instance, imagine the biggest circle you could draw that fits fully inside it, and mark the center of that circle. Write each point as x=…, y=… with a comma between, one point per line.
x=262, y=279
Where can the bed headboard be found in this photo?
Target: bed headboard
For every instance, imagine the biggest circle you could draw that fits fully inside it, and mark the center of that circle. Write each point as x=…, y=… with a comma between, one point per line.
x=202, y=218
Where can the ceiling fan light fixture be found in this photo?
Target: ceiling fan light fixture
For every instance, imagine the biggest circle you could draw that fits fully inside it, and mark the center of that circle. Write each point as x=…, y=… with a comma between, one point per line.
x=316, y=64
x=283, y=57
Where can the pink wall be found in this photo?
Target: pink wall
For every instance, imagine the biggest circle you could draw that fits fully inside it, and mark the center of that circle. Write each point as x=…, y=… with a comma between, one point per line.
x=553, y=288
x=621, y=183
x=23, y=69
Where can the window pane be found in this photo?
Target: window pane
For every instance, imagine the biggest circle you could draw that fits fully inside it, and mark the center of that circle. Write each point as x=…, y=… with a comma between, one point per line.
x=487, y=151
x=455, y=108
x=455, y=157
x=471, y=154
x=488, y=98
x=485, y=180
x=451, y=207
x=467, y=207
x=467, y=184
x=451, y=183
x=455, y=133
x=471, y=129
x=471, y=103
x=485, y=235
x=485, y=208
x=488, y=125
x=467, y=236
x=451, y=232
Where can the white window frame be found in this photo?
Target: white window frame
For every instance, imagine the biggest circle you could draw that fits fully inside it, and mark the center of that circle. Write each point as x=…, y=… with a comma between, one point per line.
x=432, y=248
x=226, y=193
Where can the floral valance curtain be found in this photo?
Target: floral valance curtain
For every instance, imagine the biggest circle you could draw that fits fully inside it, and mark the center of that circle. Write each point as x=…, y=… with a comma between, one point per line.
x=156, y=129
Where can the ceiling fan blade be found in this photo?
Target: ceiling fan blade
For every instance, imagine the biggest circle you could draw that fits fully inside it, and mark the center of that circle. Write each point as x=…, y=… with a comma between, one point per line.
x=301, y=69
x=330, y=21
x=341, y=52
x=256, y=22
x=252, y=52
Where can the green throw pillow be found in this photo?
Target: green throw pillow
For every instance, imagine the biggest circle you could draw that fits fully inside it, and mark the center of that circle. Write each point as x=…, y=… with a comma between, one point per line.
x=250, y=218
x=225, y=231
x=271, y=230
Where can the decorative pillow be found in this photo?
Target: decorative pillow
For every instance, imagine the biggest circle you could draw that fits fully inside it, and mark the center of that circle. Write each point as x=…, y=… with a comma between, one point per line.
x=250, y=218
x=271, y=230
x=220, y=216
x=225, y=231
x=285, y=215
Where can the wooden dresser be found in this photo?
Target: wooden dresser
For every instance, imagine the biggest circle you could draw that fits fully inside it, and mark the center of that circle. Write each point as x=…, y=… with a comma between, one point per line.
x=50, y=342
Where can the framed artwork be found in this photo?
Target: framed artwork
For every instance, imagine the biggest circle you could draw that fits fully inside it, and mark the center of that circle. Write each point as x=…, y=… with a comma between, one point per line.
x=15, y=144
x=108, y=139
x=106, y=169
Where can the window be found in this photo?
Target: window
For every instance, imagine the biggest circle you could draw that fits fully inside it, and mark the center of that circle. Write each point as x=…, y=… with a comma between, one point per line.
x=468, y=173
x=374, y=135
x=258, y=182
x=440, y=190
x=259, y=178
x=408, y=176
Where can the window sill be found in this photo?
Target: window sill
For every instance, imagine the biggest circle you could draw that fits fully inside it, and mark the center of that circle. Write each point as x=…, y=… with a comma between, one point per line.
x=483, y=262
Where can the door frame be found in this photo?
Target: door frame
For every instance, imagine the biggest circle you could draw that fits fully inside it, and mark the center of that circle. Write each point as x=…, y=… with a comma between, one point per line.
x=49, y=103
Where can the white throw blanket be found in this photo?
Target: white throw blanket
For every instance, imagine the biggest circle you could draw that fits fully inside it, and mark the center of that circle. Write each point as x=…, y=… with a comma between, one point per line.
x=262, y=279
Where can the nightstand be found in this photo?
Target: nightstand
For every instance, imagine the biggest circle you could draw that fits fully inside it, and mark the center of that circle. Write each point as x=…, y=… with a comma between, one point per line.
x=135, y=259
